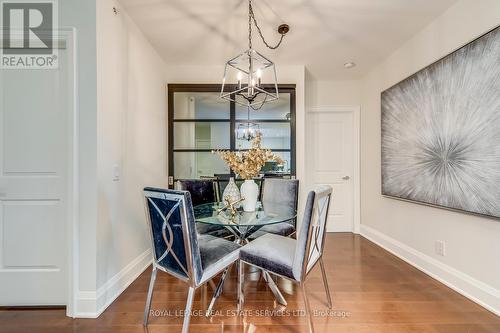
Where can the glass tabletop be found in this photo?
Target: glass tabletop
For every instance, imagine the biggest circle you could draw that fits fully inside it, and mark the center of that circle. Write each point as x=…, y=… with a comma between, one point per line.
x=264, y=215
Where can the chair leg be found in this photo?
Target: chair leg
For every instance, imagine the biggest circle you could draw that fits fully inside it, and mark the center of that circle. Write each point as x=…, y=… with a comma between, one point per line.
x=325, y=282
x=187, y=313
x=274, y=288
x=150, y=296
x=241, y=276
x=308, y=308
x=217, y=293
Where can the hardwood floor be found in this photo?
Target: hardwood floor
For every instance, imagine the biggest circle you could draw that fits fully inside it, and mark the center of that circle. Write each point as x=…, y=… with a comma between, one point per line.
x=372, y=291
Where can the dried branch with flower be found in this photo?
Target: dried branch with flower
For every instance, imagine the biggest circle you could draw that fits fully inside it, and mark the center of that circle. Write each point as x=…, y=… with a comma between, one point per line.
x=249, y=163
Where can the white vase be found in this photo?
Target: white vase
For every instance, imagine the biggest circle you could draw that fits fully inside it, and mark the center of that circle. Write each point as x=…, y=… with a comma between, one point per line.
x=231, y=191
x=250, y=191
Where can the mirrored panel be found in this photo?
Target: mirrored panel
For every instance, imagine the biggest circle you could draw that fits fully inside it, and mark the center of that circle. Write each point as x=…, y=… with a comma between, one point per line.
x=200, y=105
x=201, y=121
x=274, y=136
x=191, y=165
x=275, y=110
x=202, y=135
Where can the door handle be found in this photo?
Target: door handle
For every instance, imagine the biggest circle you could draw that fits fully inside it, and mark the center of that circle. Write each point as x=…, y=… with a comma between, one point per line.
x=346, y=178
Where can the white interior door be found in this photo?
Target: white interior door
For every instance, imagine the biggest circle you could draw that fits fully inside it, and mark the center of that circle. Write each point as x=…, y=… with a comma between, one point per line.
x=331, y=161
x=35, y=110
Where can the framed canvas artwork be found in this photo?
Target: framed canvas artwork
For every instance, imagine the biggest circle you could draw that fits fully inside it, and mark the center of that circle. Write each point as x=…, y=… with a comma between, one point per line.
x=441, y=131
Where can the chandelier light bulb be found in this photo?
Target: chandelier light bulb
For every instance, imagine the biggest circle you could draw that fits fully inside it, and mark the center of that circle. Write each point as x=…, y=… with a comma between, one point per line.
x=239, y=76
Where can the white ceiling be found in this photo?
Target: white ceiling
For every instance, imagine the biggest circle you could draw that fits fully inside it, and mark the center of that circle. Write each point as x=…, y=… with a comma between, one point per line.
x=324, y=33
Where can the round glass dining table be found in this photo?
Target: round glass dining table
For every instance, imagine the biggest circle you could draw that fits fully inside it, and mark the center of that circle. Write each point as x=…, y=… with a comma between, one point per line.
x=243, y=224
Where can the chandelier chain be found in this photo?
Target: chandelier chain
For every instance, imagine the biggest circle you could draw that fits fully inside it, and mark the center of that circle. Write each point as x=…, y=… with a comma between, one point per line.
x=250, y=10
x=251, y=17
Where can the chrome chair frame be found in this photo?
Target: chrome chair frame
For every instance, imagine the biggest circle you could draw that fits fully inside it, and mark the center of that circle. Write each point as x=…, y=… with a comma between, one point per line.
x=192, y=277
x=310, y=260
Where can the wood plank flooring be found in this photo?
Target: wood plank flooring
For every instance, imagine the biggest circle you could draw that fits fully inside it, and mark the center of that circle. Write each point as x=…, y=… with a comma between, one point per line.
x=372, y=291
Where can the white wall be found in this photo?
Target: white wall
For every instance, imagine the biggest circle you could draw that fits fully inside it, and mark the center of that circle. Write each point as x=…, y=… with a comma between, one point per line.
x=81, y=16
x=472, y=261
x=333, y=93
x=132, y=140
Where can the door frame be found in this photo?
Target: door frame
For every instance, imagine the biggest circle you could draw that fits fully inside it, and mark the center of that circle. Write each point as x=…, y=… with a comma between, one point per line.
x=66, y=38
x=69, y=36
x=356, y=173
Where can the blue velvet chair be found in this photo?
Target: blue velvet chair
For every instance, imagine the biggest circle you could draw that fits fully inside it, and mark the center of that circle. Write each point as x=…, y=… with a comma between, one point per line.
x=178, y=249
x=282, y=194
x=203, y=191
x=289, y=258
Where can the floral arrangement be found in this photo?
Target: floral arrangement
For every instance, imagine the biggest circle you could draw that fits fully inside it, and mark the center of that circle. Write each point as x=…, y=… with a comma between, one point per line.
x=249, y=163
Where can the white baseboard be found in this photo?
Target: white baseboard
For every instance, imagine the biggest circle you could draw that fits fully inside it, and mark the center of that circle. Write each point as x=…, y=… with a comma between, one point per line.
x=90, y=304
x=475, y=290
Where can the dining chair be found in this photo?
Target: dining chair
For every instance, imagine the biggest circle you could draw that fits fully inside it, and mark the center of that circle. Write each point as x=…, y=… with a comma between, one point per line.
x=177, y=248
x=203, y=191
x=289, y=258
x=282, y=194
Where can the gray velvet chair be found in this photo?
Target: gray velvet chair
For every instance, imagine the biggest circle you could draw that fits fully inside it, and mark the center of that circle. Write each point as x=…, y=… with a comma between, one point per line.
x=178, y=249
x=203, y=191
x=289, y=258
x=282, y=194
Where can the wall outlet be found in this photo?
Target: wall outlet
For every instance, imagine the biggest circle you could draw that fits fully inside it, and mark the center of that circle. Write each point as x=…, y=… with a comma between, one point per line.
x=440, y=248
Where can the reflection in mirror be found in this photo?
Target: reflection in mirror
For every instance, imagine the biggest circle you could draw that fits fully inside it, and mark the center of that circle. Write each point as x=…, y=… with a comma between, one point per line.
x=204, y=105
x=274, y=136
x=272, y=168
x=201, y=135
x=193, y=165
x=275, y=110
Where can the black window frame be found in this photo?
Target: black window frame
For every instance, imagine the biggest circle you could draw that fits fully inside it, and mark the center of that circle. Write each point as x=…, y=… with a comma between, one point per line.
x=196, y=88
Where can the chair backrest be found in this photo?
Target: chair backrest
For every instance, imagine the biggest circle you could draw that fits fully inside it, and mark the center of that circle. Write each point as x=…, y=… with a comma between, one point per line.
x=173, y=233
x=311, y=238
x=202, y=190
x=282, y=193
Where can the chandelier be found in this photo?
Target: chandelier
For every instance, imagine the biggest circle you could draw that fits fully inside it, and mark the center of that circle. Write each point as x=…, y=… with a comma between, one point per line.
x=244, y=74
x=247, y=130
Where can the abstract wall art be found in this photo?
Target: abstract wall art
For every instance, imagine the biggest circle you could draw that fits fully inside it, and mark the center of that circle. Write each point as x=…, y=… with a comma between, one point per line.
x=441, y=131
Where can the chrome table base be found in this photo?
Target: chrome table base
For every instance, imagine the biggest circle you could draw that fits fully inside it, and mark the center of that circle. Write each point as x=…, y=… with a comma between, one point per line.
x=242, y=239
